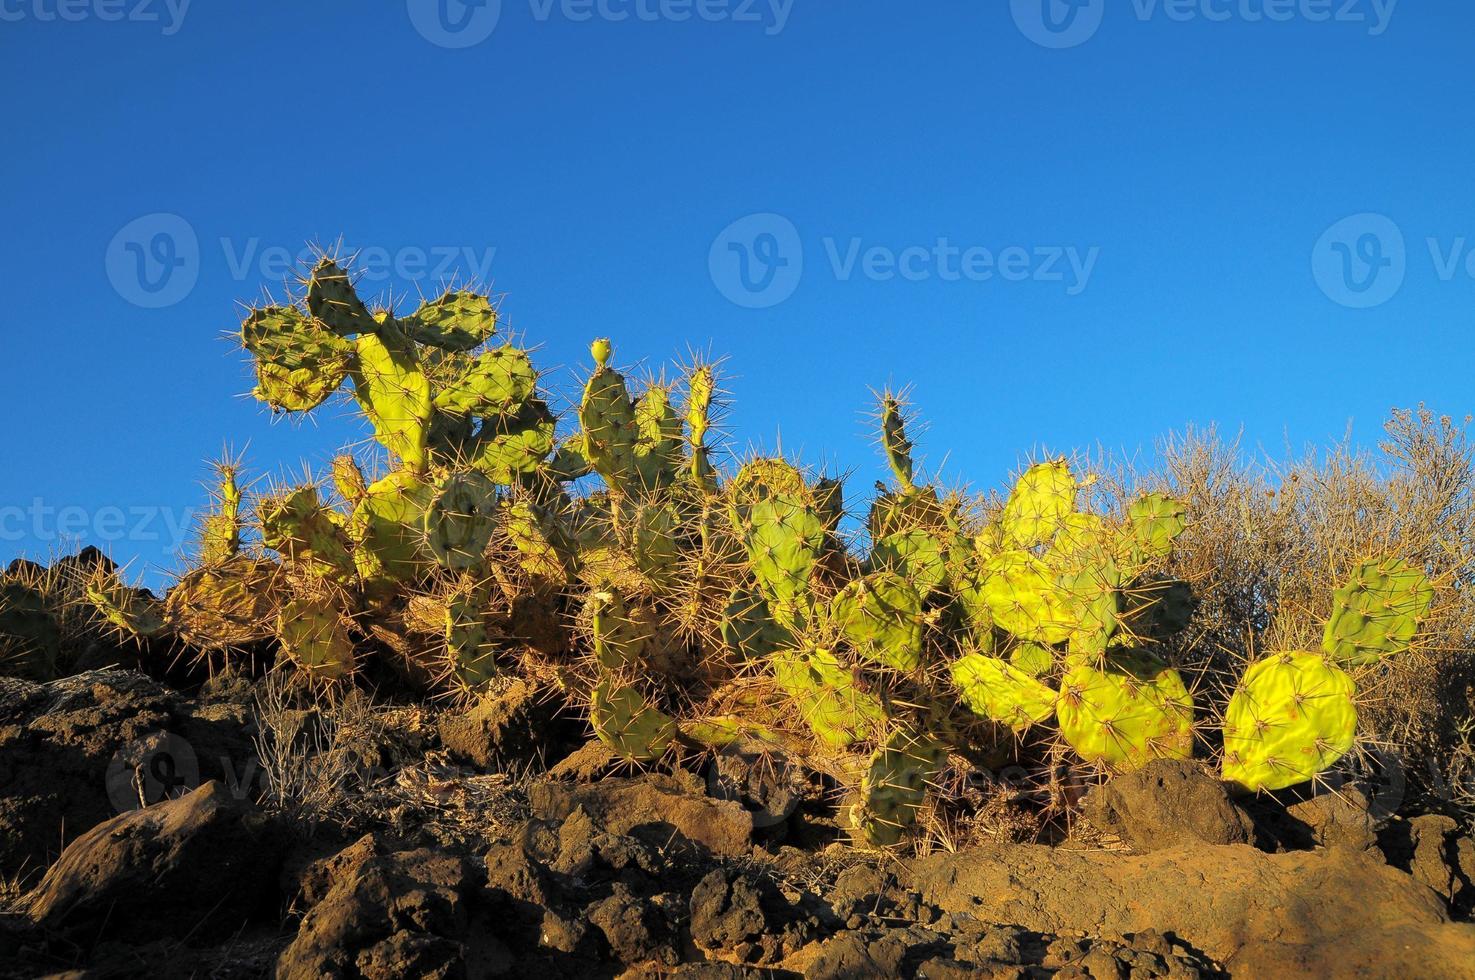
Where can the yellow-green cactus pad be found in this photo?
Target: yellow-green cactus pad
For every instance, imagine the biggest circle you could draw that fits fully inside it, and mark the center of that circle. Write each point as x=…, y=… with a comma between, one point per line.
x=332, y=299
x=1377, y=613
x=457, y=321
x=227, y=605
x=784, y=538
x=496, y=383
x=894, y=787
x=1133, y=711
x=999, y=691
x=828, y=696
x=1022, y=597
x=312, y=635
x=1293, y=716
x=627, y=724
x=388, y=528
x=510, y=445
x=133, y=611
x=394, y=393
x=881, y=616
x=305, y=533
x=919, y=556
x=1037, y=508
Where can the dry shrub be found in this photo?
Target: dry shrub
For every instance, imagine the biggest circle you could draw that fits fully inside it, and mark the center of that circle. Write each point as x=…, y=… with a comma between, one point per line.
x=1269, y=541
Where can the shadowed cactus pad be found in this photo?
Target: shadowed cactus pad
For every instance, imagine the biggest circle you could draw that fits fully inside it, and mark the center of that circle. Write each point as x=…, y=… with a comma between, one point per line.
x=1293, y=716
x=30, y=636
x=134, y=612
x=881, y=616
x=228, y=605
x=894, y=787
x=460, y=519
x=332, y=299
x=1133, y=711
x=1377, y=613
x=312, y=635
x=749, y=629
x=388, y=527
x=828, y=696
x=627, y=724
x=999, y=691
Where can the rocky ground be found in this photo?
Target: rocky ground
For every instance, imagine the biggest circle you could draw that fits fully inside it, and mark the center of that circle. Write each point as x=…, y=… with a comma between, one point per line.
x=393, y=842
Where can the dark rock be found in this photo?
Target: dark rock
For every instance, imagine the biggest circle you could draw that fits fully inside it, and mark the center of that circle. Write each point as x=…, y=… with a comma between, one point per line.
x=199, y=865
x=634, y=928
x=1167, y=803
x=1336, y=819
x=655, y=801
x=408, y=914
x=726, y=909
x=1326, y=912
x=513, y=727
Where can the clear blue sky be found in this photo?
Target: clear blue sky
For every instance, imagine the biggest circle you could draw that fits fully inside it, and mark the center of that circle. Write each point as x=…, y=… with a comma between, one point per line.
x=1194, y=160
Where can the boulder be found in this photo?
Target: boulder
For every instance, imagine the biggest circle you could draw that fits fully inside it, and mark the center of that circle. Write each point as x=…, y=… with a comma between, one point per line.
x=1167, y=803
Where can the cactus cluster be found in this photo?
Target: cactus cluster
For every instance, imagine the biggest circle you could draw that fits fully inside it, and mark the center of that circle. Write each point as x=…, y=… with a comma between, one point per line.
x=688, y=606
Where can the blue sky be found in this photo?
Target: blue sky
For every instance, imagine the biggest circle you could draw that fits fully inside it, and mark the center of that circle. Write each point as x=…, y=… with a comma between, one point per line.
x=1063, y=226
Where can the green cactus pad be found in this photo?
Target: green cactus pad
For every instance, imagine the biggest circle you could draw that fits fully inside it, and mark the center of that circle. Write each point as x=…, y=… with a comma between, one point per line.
x=332, y=299
x=509, y=446
x=784, y=538
x=457, y=321
x=134, y=612
x=496, y=383
x=1039, y=504
x=999, y=691
x=312, y=635
x=470, y=655
x=627, y=724
x=894, y=441
x=1154, y=522
x=1292, y=716
x=918, y=555
x=829, y=698
x=624, y=634
x=767, y=476
x=1021, y=596
x=1032, y=658
x=220, y=537
x=1126, y=715
x=570, y=462
x=659, y=440
x=30, y=635
x=229, y=605
x=1376, y=614
x=881, y=616
x=388, y=528
x=651, y=535
x=394, y=394
x=700, y=388
x=306, y=534
x=1093, y=598
x=909, y=510
x=542, y=541
x=286, y=338
x=460, y=519
x=349, y=479
x=749, y=629
x=894, y=787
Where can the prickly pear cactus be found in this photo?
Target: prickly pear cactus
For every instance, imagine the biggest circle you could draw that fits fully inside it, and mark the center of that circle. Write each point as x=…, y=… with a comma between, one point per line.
x=1018, y=592
x=624, y=721
x=460, y=519
x=394, y=394
x=1039, y=505
x=1376, y=614
x=1002, y=692
x=828, y=696
x=220, y=538
x=225, y=606
x=30, y=636
x=457, y=321
x=312, y=634
x=388, y=528
x=881, y=617
x=132, y=612
x=1126, y=714
x=1293, y=716
x=894, y=787
x=784, y=539
x=305, y=533
x=749, y=629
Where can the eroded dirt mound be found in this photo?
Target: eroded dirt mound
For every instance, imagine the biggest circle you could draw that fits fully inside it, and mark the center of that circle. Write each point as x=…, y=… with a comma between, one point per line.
x=588, y=871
